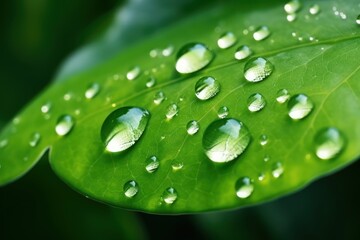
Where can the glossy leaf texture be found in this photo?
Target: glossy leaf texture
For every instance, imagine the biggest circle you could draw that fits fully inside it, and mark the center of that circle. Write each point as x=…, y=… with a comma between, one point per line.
x=311, y=57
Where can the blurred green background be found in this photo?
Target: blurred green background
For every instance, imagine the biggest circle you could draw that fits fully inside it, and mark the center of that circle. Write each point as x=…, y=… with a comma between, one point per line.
x=36, y=37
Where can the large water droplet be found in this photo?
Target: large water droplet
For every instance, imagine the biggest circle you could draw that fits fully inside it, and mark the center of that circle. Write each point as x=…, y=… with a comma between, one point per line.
x=329, y=142
x=242, y=52
x=34, y=139
x=123, y=127
x=206, y=88
x=172, y=111
x=152, y=164
x=133, y=73
x=261, y=33
x=257, y=69
x=169, y=196
x=223, y=112
x=226, y=40
x=159, y=97
x=282, y=96
x=64, y=125
x=314, y=9
x=300, y=106
x=244, y=187
x=46, y=108
x=292, y=6
x=192, y=57
x=277, y=170
x=131, y=188
x=256, y=102
x=225, y=139
x=92, y=90
x=192, y=127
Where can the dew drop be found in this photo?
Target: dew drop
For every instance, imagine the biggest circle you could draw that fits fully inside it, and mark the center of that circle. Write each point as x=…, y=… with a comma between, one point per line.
x=46, y=108
x=172, y=111
x=3, y=143
x=242, y=52
x=64, y=125
x=176, y=166
x=291, y=17
x=123, y=127
x=261, y=33
x=34, y=139
x=277, y=170
x=159, y=97
x=292, y=6
x=169, y=196
x=244, y=187
x=282, y=96
x=152, y=164
x=206, y=88
x=192, y=57
x=151, y=82
x=133, y=73
x=263, y=140
x=261, y=177
x=226, y=40
x=166, y=52
x=92, y=90
x=131, y=188
x=154, y=53
x=314, y=9
x=256, y=102
x=257, y=69
x=300, y=106
x=192, y=127
x=358, y=20
x=266, y=158
x=225, y=139
x=329, y=142
x=223, y=112
x=67, y=96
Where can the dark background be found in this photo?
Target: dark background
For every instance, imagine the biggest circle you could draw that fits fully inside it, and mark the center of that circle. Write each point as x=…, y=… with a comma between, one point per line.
x=36, y=36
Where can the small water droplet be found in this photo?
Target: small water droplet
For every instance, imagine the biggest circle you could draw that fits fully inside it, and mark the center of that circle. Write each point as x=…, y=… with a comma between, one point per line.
x=329, y=142
x=226, y=40
x=343, y=15
x=154, y=53
x=256, y=102
x=152, y=164
x=291, y=17
x=172, y=111
x=159, y=97
x=292, y=6
x=192, y=57
x=123, y=127
x=358, y=20
x=67, y=96
x=151, y=82
x=263, y=140
x=46, y=108
x=257, y=69
x=34, y=139
x=314, y=9
x=277, y=170
x=261, y=33
x=300, y=106
x=282, y=96
x=225, y=139
x=3, y=143
x=166, y=52
x=192, y=127
x=64, y=125
x=242, y=52
x=176, y=166
x=223, y=112
x=133, y=73
x=244, y=187
x=169, y=196
x=131, y=188
x=261, y=177
x=206, y=88
x=92, y=90
x=266, y=158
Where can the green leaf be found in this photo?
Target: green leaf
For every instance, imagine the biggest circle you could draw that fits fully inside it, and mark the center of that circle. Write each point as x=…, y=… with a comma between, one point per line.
x=321, y=61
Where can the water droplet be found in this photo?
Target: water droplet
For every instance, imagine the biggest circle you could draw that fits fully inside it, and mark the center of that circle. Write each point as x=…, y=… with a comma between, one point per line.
x=292, y=6
x=46, y=108
x=206, y=88
x=261, y=177
x=314, y=9
x=343, y=15
x=123, y=127
x=192, y=57
x=266, y=158
x=244, y=187
x=152, y=164
x=300, y=106
x=3, y=143
x=358, y=20
x=291, y=17
x=329, y=142
x=34, y=139
x=192, y=127
x=133, y=73
x=159, y=97
x=225, y=139
x=226, y=40
x=131, y=188
x=67, y=96
x=64, y=125
x=151, y=82
x=172, y=111
x=166, y=52
x=223, y=112
x=261, y=33
x=277, y=170
x=176, y=166
x=169, y=196
x=257, y=69
x=242, y=52
x=154, y=53
x=282, y=96
x=263, y=140
x=92, y=90
x=256, y=102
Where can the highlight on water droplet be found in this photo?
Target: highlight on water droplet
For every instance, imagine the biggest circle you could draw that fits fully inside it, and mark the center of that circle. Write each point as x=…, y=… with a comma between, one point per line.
x=92, y=90
x=223, y=112
x=176, y=166
x=261, y=33
x=226, y=40
x=256, y=102
x=34, y=139
x=192, y=57
x=64, y=125
x=133, y=73
x=244, y=187
x=169, y=196
x=329, y=142
x=171, y=111
x=314, y=9
x=300, y=106
x=152, y=164
x=282, y=96
x=130, y=188
x=159, y=97
x=277, y=170
x=151, y=82
x=225, y=139
x=192, y=127
x=263, y=139
x=258, y=69
x=206, y=88
x=292, y=6
x=45, y=108
x=242, y=52
x=123, y=127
